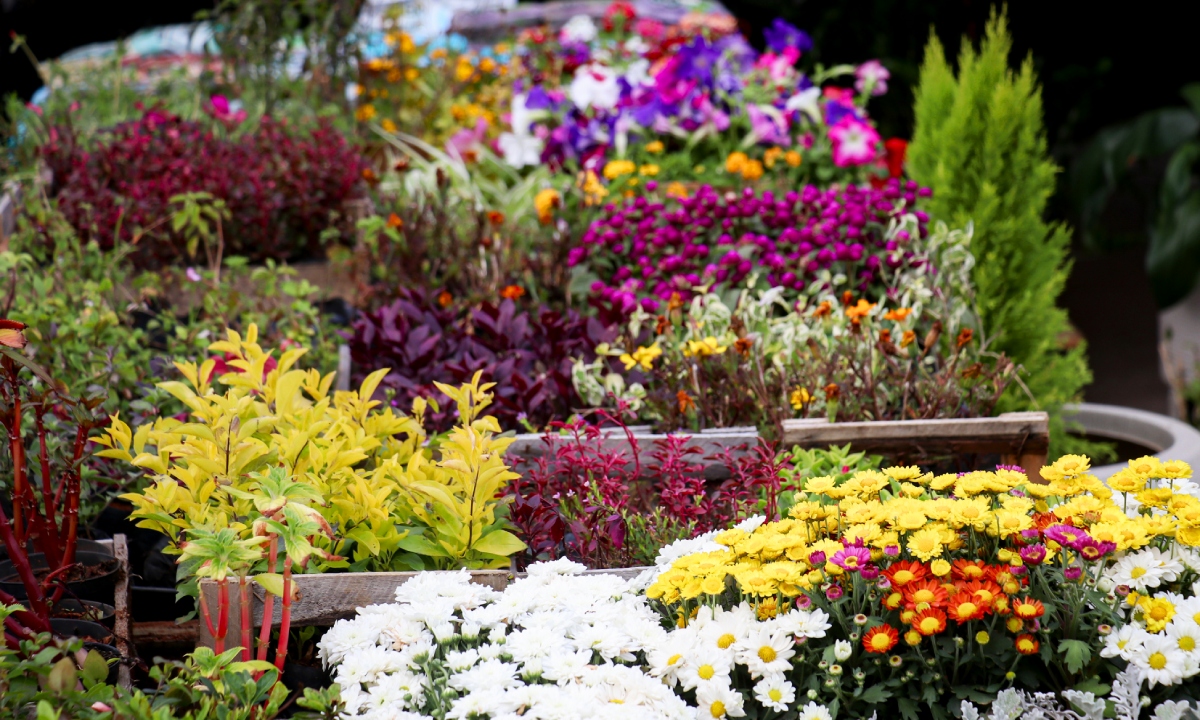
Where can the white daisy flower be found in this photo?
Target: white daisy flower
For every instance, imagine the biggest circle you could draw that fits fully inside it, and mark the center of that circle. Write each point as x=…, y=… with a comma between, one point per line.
x=775, y=692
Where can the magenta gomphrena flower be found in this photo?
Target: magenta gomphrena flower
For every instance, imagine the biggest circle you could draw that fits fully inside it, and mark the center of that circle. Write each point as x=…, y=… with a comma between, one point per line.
x=652, y=247
x=1072, y=573
x=834, y=592
x=892, y=551
x=1033, y=554
x=1067, y=536
x=816, y=558
x=851, y=558
x=869, y=572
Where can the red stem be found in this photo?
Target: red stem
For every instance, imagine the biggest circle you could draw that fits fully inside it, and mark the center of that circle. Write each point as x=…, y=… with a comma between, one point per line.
x=285, y=619
x=222, y=615
x=71, y=479
x=244, y=603
x=20, y=561
x=18, y=459
x=47, y=492
x=264, y=634
x=204, y=612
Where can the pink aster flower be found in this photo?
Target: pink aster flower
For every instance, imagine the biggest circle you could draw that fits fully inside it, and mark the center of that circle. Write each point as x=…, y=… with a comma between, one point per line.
x=834, y=592
x=851, y=558
x=854, y=142
x=1033, y=554
x=1068, y=536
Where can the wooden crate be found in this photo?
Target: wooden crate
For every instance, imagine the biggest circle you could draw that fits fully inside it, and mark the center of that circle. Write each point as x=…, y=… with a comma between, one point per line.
x=324, y=599
x=1020, y=438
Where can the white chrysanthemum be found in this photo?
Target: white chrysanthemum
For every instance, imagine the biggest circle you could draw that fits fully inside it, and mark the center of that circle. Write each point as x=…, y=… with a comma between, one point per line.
x=765, y=652
x=1186, y=634
x=554, y=568
x=1123, y=641
x=488, y=674
x=396, y=690
x=535, y=642
x=1139, y=570
x=566, y=667
x=365, y=665
x=717, y=700
x=804, y=623
x=842, y=650
x=1160, y=660
x=349, y=636
x=813, y=711
x=459, y=660
x=775, y=692
x=453, y=590
x=704, y=667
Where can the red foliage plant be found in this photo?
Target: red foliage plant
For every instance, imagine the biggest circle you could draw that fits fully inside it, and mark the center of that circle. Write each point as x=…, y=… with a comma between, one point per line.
x=283, y=187
x=589, y=503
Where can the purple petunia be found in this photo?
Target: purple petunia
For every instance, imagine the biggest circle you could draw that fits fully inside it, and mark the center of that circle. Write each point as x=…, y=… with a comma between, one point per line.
x=781, y=35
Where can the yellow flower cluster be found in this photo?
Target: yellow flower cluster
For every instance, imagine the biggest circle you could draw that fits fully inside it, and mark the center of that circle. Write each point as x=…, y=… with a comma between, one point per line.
x=738, y=163
x=904, y=512
x=614, y=169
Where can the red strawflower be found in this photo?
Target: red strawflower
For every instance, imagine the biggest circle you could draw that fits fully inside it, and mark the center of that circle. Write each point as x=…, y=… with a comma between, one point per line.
x=880, y=639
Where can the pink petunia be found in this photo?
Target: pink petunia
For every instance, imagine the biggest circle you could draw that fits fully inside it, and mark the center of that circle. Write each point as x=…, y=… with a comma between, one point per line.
x=854, y=142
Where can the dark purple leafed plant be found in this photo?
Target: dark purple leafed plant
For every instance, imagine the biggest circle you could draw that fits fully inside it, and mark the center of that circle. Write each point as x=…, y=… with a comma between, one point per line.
x=527, y=354
x=650, y=249
x=283, y=187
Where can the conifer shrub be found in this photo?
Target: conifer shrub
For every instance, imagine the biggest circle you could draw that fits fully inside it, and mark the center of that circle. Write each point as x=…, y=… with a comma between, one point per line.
x=980, y=144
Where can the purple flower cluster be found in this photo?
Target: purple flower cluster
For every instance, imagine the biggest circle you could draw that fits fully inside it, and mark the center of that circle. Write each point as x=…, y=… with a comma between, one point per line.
x=650, y=249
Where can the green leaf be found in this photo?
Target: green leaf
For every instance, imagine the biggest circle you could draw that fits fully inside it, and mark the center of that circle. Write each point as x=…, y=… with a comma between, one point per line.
x=499, y=542
x=63, y=676
x=419, y=545
x=271, y=582
x=363, y=536
x=908, y=709
x=95, y=668
x=1173, y=259
x=1077, y=654
x=874, y=694
x=1093, y=685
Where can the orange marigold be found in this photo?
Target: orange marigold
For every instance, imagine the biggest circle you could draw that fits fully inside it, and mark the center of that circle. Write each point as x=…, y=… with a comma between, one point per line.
x=880, y=639
x=899, y=314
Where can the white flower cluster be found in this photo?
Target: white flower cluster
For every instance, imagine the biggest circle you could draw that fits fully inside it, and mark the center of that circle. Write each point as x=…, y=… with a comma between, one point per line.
x=1126, y=704
x=1162, y=637
x=554, y=645
x=705, y=655
x=557, y=645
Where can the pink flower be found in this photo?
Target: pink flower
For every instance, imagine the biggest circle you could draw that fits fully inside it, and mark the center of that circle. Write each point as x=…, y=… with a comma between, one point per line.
x=854, y=142
x=768, y=125
x=193, y=275
x=467, y=138
x=851, y=558
x=871, y=76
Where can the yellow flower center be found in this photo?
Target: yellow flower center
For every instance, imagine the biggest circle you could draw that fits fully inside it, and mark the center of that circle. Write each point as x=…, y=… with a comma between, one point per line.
x=1187, y=643
x=706, y=672
x=674, y=659
x=717, y=709
x=766, y=653
x=929, y=625
x=904, y=577
x=775, y=694
x=725, y=641
x=924, y=595
x=967, y=609
x=880, y=642
x=1137, y=572
x=1158, y=612
x=1158, y=661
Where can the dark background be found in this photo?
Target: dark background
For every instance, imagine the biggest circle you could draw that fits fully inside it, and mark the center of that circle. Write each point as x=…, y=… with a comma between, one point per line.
x=1099, y=64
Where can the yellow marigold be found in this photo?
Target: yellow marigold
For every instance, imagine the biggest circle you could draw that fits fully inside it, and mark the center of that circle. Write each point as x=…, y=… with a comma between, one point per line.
x=735, y=162
x=752, y=170
x=487, y=65
x=799, y=398
x=411, y=74
x=771, y=156
x=614, y=169
x=702, y=348
x=364, y=112
x=406, y=43
x=655, y=147
x=388, y=125
x=643, y=357
x=792, y=158
x=463, y=69
x=648, y=170
x=677, y=190
x=545, y=202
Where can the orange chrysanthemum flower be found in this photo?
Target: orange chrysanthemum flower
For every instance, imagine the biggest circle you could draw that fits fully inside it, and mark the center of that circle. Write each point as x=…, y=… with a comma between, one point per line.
x=969, y=570
x=880, y=639
x=984, y=591
x=929, y=622
x=925, y=594
x=1027, y=644
x=965, y=607
x=512, y=292
x=903, y=572
x=893, y=601
x=1028, y=608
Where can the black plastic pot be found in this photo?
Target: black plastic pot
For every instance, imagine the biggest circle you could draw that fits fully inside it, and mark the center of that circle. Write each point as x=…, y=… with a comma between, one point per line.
x=85, y=630
x=156, y=604
x=90, y=610
x=98, y=588
x=296, y=677
x=81, y=545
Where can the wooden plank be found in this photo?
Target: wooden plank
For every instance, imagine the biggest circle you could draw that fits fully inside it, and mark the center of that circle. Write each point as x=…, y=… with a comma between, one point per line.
x=165, y=633
x=326, y=598
x=1017, y=433
x=121, y=624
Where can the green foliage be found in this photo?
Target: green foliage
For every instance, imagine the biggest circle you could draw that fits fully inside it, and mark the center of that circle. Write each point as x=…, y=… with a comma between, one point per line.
x=980, y=144
x=57, y=677
x=835, y=462
x=1118, y=160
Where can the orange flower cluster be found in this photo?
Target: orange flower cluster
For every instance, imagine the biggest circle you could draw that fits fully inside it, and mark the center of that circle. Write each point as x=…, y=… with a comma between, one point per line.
x=928, y=595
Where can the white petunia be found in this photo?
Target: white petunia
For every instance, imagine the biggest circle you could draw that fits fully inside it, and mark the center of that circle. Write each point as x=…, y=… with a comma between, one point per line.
x=578, y=29
x=595, y=86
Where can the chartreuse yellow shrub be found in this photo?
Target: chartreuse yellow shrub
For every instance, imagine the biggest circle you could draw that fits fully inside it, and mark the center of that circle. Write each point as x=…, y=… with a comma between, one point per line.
x=360, y=471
